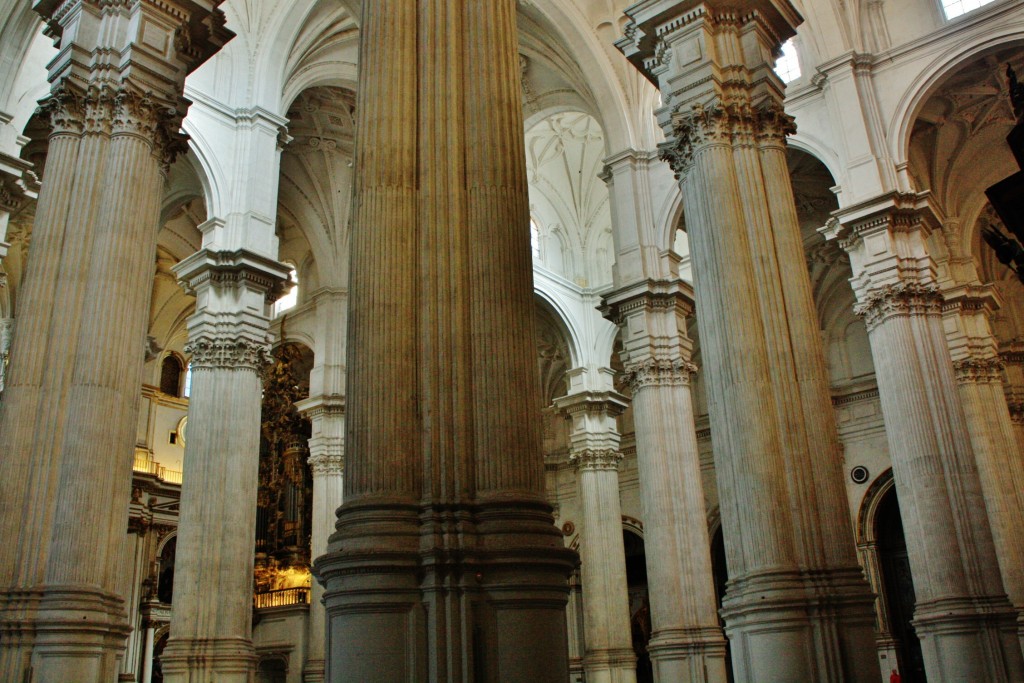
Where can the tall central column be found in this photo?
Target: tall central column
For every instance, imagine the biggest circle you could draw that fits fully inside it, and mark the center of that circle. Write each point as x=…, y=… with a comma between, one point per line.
x=445, y=565
x=795, y=584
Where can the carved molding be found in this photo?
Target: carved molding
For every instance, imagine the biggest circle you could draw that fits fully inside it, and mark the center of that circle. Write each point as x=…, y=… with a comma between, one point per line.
x=659, y=372
x=735, y=123
x=228, y=354
x=326, y=464
x=978, y=370
x=899, y=299
x=596, y=459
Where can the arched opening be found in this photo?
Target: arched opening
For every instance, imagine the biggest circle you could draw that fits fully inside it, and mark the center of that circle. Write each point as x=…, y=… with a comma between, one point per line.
x=165, y=582
x=171, y=371
x=158, y=650
x=898, y=586
x=639, y=604
x=720, y=572
x=272, y=670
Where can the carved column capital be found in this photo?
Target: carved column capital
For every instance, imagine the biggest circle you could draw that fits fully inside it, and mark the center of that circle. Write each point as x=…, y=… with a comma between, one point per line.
x=596, y=459
x=897, y=300
x=978, y=370
x=659, y=372
x=228, y=354
x=325, y=464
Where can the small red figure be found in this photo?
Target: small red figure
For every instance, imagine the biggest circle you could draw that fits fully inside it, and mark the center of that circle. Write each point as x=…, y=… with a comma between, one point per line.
x=895, y=677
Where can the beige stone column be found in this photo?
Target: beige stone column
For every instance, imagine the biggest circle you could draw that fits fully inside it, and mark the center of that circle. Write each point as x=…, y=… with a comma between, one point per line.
x=446, y=564
x=67, y=423
x=1012, y=355
x=594, y=450
x=966, y=624
x=686, y=644
x=795, y=584
x=211, y=638
x=327, y=460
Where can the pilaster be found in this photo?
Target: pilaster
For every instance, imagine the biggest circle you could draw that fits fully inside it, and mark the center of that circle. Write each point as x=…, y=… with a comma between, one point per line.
x=787, y=532
x=594, y=451
x=68, y=415
x=966, y=624
x=687, y=643
x=211, y=640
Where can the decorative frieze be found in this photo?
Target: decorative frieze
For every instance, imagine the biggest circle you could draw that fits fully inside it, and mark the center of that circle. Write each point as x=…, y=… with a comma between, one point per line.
x=659, y=372
x=324, y=464
x=899, y=299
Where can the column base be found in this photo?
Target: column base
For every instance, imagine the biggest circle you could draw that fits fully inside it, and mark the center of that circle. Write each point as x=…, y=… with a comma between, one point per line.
x=824, y=620
x=964, y=639
x=313, y=672
x=62, y=633
x=610, y=666
x=696, y=655
x=211, y=660
x=487, y=598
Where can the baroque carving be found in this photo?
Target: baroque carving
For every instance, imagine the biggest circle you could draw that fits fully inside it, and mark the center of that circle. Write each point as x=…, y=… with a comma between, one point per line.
x=596, y=459
x=659, y=372
x=228, y=354
x=899, y=299
x=736, y=123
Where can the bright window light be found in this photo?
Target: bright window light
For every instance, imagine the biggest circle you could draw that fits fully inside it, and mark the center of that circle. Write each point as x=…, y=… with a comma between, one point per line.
x=291, y=298
x=954, y=8
x=788, y=66
x=535, y=238
x=188, y=382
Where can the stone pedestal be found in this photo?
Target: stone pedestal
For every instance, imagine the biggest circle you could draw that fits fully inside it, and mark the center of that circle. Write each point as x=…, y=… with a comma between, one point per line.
x=211, y=638
x=594, y=450
x=966, y=624
x=795, y=584
x=686, y=641
x=445, y=565
x=68, y=419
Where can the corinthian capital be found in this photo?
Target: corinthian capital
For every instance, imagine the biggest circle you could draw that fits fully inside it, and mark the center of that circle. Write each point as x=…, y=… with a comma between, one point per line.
x=228, y=354
x=596, y=459
x=978, y=370
x=899, y=299
x=659, y=372
x=326, y=464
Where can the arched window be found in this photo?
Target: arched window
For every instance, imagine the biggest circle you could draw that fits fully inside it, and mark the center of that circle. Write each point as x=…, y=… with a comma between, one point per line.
x=188, y=382
x=787, y=66
x=170, y=376
x=954, y=8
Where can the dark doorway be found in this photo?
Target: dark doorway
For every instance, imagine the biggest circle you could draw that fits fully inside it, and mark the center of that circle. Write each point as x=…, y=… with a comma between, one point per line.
x=721, y=573
x=639, y=604
x=899, y=587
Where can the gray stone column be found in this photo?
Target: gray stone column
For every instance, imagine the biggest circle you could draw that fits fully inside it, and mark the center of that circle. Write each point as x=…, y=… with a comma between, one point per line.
x=966, y=624
x=327, y=460
x=594, y=449
x=686, y=644
x=67, y=422
x=795, y=584
x=446, y=564
x=211, y=637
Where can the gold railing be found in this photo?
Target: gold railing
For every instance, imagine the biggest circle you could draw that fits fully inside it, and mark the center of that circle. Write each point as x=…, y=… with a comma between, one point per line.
x=282, y=598
x=144, y=465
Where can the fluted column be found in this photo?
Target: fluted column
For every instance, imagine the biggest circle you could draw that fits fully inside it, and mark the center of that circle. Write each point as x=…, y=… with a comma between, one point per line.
x=67, y=422
x=327, y=461
x=686, y=644
x=978, y=368
x=594, y=450
x=966, y=624
x=795, y=583
x=445, y=564
x=211, y=638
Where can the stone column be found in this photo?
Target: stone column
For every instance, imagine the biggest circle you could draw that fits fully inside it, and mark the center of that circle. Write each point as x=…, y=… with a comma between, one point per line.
x=446, y=564
x=67, y=422
x=327, y=460
x=594, y=449
x=795, y=584
x=211, y=638
x=686, y=644
x=6, y=339
x=967, y=312
x=966, y=624
x=1012, y=355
